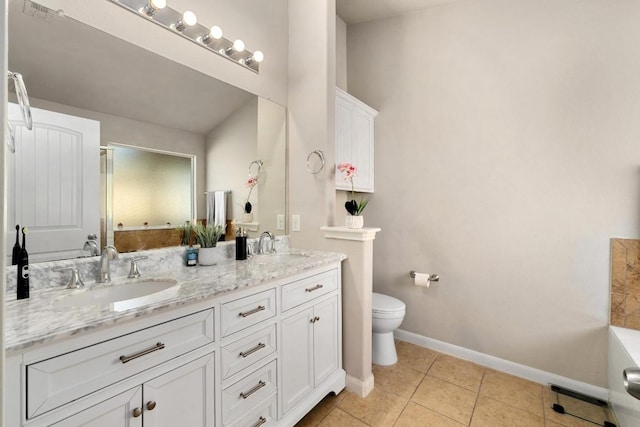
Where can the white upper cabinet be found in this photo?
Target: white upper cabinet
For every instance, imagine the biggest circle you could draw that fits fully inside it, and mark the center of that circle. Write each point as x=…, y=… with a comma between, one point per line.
x=354, y=141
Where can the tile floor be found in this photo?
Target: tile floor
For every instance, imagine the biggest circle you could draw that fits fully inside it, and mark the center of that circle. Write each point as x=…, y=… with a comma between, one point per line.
x=429, y=389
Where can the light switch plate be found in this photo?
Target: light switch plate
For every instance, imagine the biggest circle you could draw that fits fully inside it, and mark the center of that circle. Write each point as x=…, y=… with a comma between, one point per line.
x=295, y=222
x=280, y=222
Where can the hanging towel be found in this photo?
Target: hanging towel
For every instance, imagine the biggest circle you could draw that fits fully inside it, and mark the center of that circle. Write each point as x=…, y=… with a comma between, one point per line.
x=217, y=208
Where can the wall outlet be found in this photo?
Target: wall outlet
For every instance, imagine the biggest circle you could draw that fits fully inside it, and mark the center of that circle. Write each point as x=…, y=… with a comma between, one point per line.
x=295, y=222
x=279, y=222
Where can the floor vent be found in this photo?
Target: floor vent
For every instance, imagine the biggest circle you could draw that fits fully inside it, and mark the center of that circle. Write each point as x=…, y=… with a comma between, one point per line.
x=586, y=408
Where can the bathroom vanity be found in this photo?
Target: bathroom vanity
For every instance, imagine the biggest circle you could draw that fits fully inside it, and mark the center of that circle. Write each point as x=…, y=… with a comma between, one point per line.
x=242, y=343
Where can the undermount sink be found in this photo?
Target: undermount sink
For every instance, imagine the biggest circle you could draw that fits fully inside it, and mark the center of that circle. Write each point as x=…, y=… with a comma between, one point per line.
x=278, y=258
x=122, y=297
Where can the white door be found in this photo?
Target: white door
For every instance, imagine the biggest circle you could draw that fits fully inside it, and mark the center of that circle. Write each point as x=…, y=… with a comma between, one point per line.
x=117, y=411
x=182, y=397
x=53, y=183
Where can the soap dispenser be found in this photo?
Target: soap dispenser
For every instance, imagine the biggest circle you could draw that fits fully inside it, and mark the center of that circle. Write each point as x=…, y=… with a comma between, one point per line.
x=241, y=244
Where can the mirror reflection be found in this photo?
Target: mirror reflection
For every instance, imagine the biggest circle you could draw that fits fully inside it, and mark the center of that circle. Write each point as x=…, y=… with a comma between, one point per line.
x=138, y=100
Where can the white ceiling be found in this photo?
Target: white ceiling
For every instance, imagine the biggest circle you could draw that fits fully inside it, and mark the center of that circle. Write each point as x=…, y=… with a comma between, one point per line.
x=71, y=63
x=356, y=11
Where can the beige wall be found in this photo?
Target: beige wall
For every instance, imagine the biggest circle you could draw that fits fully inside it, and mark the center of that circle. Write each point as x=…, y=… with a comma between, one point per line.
x=272, y=130
x=229, y=146
x=507, y=150
x=341, y=54
x=311, y=121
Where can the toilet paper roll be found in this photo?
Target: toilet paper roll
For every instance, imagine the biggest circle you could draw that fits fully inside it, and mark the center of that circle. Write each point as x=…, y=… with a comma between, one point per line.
x=422, y=279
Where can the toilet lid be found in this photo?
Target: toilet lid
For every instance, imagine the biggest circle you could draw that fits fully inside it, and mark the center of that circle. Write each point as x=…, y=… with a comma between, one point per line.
x=386, y=304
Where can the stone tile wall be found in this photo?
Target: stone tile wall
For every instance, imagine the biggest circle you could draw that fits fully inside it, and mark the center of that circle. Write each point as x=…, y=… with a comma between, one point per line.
x=625, y=283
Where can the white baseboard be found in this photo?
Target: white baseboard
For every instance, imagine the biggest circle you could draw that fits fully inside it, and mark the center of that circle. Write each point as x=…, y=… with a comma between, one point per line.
x=522, y=371
x=360, y=387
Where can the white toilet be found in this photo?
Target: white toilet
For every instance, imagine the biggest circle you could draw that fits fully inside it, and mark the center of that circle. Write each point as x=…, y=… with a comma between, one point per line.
x=388, y=313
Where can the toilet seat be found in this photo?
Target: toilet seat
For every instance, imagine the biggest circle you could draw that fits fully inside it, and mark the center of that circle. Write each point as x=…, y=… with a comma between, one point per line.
x=386, y=306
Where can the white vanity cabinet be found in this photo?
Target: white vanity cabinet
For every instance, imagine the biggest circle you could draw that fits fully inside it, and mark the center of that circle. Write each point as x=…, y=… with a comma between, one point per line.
x=355, y=141
x=159, y=375
x=178, y=397
x=262, y=355
x=310, y=336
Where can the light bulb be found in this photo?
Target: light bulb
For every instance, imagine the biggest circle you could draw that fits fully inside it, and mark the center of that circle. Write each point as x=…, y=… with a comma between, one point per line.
x=158, y=4
x=258, y=56
x=215, y=32
x=238, y=45
x=152, y=7
x=189, y=18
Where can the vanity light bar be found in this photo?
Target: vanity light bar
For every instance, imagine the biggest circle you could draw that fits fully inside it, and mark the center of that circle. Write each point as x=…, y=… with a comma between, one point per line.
x=185, y=24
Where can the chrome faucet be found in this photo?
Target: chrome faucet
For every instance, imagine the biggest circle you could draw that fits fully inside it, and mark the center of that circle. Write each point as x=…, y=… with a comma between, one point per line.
x=109, y=253
x=260, y=242
x=91, y=245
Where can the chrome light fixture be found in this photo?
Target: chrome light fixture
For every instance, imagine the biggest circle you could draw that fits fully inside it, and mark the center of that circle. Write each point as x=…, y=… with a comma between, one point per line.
x=188, y=19
x=186, y=25
x=215, y=33
x=237, y=46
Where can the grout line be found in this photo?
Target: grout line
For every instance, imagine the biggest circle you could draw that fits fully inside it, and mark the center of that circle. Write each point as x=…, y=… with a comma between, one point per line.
x=484, y=372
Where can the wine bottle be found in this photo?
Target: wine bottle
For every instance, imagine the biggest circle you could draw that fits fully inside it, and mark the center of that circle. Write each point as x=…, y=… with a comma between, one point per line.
x=23, y=268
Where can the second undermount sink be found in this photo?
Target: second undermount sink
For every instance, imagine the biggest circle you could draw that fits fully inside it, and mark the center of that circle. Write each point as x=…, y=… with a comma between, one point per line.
x=122, y=297
x=278, y=258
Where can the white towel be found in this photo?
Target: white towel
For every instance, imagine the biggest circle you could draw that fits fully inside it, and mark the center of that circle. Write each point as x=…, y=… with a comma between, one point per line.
x=217, y=208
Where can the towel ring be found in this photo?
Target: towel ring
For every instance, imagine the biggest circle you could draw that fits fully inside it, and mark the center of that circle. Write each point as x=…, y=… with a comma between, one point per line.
x=320, y=154
x=259, y=165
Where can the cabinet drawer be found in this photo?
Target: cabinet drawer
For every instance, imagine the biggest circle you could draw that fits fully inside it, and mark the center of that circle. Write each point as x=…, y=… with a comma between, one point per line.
x=241, y=353
x=251, y=391
x=262, y=416
x=247, y=311
x=59, y=380
x=304, y=290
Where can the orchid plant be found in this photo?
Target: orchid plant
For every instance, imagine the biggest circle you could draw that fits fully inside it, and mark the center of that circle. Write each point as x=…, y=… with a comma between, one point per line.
x=352, y=207
x=251, y=183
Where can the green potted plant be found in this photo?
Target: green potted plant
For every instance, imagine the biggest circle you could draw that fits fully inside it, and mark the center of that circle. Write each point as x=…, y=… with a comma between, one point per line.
x=186, y=233
x=207, y=237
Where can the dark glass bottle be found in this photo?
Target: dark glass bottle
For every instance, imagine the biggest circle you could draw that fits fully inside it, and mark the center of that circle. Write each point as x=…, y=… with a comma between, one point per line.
x=241, y=244
x=23, y=269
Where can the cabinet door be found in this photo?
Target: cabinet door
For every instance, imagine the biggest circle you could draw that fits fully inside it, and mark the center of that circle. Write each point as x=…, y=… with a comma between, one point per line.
x=362, y=155
x=181, y=397
x=343, y=139
x=325, y=338
x=114, y=412
x=355, y=141
x=297, y=358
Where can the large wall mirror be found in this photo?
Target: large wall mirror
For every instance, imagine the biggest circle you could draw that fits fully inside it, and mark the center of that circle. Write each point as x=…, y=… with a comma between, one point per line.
x=122, y=96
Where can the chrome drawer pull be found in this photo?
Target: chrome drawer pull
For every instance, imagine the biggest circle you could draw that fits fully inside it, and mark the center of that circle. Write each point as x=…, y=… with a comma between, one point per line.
x=125, y=359
x=253, y=350
x=250, y=312
x=253, y=390
x=315, y=288
x=261, y=421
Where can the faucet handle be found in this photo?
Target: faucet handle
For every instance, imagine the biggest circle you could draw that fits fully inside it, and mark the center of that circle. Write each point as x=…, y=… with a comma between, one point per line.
x=75, y=282
x=133, y=272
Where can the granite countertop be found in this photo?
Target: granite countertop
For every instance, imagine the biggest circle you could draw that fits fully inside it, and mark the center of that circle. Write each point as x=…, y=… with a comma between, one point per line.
x=39, y=320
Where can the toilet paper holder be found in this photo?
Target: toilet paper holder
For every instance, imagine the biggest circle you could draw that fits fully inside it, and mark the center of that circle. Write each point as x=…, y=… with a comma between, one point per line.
x=432, y=277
